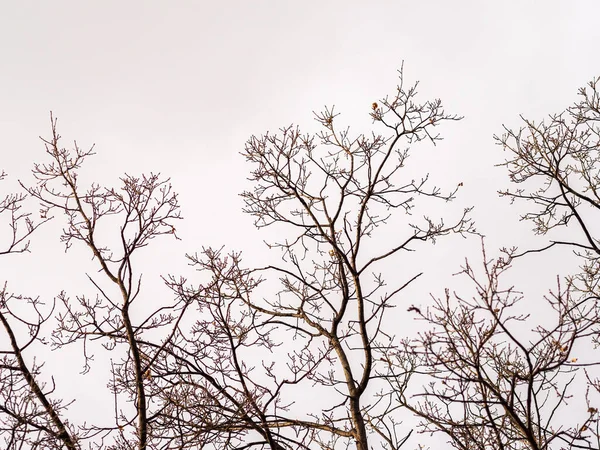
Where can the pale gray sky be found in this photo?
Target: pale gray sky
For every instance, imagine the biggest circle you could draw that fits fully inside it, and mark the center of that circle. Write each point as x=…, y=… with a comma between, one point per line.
x=179, y=86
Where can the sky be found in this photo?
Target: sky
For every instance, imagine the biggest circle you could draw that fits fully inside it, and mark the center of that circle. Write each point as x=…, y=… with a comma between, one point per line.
x=178, y=87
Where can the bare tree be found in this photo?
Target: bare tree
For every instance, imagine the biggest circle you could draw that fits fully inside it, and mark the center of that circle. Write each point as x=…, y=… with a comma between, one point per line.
x=143, y=209
x=153, y=375
x=20, y=224
x=28, y=414
x=555, y=164
x=500, y=377
x=322, y=310
x=185, y=371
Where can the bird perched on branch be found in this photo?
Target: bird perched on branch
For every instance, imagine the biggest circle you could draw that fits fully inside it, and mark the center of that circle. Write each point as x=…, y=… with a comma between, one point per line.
x=415, y=309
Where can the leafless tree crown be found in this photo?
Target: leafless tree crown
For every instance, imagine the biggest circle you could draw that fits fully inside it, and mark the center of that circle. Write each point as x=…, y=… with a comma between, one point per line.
x=233, y=359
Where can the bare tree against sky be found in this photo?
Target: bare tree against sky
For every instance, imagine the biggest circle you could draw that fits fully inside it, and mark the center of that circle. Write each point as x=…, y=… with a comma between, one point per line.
x=194, y=384
x=221, y=361
x=555, y=165
x=499, y=376
x=141, y=210
x=153, y=372
x=325, y=197
x=28, y=413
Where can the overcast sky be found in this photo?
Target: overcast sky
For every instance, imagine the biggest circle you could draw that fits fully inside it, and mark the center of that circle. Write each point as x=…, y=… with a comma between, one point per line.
x=178, y=87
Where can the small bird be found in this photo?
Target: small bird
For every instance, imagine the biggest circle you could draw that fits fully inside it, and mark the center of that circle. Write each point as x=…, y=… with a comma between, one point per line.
x=415, y=309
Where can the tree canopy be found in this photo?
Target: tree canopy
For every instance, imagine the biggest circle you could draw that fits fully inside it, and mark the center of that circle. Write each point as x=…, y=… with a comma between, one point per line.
x=223, y=360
